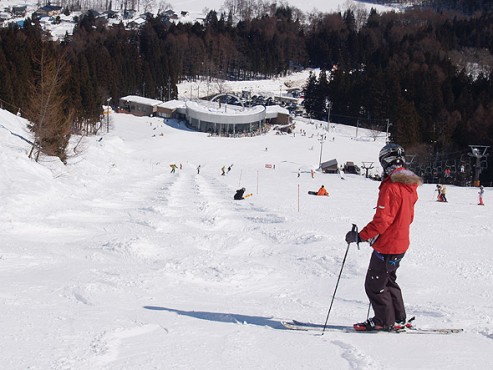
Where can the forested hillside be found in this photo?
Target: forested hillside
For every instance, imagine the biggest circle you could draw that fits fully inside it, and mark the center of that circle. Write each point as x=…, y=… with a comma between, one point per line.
x=425, y=74
x=464, y=6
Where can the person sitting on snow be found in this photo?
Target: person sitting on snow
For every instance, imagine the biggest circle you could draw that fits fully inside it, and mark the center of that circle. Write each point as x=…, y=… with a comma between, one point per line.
x=239, y=194
x=322, y=191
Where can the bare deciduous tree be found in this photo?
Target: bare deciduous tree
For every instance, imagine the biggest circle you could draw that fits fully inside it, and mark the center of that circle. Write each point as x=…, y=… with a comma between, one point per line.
x=48, y=112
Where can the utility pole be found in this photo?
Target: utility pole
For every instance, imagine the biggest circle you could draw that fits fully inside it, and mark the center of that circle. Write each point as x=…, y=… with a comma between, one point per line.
x=108, y=114
x=321, y=148
x=387, y=133
x=169, y=88
x=329, y=107
x=478, y=152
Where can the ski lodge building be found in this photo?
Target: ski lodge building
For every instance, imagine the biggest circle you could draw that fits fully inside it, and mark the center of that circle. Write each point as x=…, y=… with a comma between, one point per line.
x=138, y=105
x=210, y=116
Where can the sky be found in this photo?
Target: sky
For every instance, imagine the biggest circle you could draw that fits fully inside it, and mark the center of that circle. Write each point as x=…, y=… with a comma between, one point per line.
x=113, y=262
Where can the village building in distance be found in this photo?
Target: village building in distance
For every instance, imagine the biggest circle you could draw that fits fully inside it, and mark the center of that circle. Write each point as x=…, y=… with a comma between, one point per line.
x=211, y=116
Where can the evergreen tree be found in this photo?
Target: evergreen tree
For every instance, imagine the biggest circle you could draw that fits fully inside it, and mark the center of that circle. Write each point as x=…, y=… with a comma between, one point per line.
x=310, y=93
x=406, y=125
x=323, y=96
x=6, y=92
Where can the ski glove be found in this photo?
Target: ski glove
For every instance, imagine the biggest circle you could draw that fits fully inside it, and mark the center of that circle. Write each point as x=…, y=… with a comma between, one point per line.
x=353, y=237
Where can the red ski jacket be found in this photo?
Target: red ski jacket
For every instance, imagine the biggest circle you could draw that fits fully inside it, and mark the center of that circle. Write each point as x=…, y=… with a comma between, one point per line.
x=388, y=232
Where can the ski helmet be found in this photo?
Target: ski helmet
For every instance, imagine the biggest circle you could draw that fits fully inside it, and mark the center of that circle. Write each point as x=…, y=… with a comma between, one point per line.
x=392, y=154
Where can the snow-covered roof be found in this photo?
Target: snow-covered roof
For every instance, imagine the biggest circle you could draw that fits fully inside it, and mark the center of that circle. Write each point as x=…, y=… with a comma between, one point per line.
x=272, y=111
x=141, y=100
x=225, y=109
x=276, y=109
x=138, y=21
x=224, y=113
x=173, y=104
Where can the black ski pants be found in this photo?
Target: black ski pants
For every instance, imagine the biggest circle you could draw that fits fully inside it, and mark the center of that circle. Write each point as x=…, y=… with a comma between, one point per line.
x=382, y=289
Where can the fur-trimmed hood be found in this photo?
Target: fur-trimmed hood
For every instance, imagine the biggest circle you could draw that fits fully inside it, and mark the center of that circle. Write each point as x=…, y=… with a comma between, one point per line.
x=405, y=176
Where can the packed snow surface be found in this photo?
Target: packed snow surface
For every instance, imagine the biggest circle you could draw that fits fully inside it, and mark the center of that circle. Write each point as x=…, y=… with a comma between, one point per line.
x=113, y=262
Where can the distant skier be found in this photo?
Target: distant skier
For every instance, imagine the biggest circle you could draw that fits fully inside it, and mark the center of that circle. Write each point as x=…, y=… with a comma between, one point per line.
x=229, y=168
x=239, y=194
x=173, y=168
x=198, y=169
x=299, y=172
x=388, y=235
x=480, y=193
x=442, y=190
x=341, y=173
x=223, y=171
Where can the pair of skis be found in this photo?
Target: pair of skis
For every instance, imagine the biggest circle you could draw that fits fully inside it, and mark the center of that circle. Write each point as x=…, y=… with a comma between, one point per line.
x=306, y=326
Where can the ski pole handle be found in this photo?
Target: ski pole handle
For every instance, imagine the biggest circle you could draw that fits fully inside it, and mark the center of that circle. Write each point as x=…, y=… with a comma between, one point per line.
x=355, y=228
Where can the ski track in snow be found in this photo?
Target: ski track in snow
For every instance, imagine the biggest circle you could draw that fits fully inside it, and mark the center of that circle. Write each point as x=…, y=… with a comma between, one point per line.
x=355, y=357
x=195, y=208
x=219, y=225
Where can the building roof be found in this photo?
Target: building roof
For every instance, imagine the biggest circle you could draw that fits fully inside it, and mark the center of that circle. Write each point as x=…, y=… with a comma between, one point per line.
x=224, y=109
x=141, y=100
x=330, y=163
x=276, y=109
x=50, y=8
x=272, y=111
x=173, y=104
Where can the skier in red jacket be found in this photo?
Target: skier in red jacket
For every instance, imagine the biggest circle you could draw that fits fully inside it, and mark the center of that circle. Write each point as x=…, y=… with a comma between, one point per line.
x=388, y=235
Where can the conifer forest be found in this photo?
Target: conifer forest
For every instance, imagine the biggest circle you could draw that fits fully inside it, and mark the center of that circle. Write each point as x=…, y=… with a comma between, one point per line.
x=424, y=74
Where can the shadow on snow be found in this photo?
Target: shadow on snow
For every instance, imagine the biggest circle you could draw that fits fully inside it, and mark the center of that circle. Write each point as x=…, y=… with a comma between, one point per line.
x=225, y=317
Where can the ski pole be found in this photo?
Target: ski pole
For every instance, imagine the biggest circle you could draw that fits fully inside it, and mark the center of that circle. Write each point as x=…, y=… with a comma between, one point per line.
x=355, y=228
